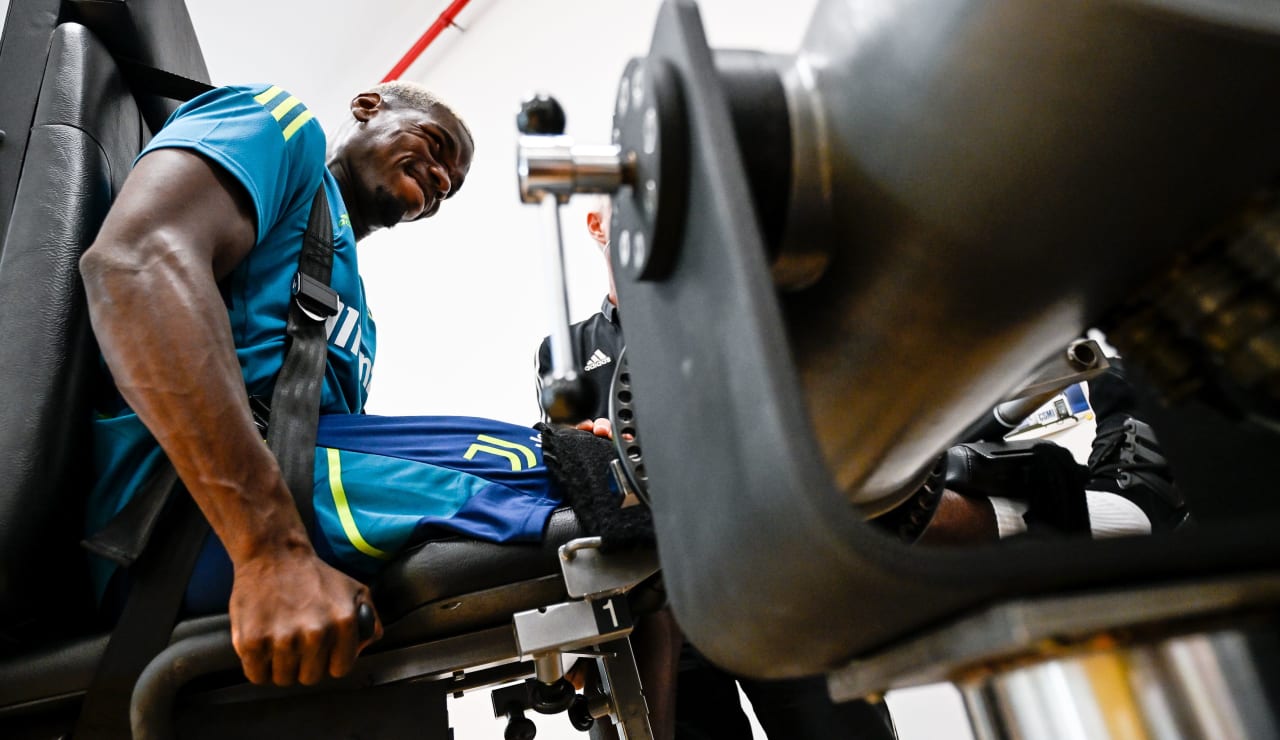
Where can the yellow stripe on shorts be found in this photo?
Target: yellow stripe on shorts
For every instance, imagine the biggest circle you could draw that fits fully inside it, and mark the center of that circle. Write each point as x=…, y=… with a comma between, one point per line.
x=344, y=509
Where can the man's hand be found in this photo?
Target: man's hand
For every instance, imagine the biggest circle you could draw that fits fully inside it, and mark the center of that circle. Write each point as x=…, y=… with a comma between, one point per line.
x=293, y=619
x=599, y=427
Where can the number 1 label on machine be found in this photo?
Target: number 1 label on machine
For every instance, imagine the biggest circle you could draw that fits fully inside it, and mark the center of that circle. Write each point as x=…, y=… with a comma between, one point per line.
x=612, y=614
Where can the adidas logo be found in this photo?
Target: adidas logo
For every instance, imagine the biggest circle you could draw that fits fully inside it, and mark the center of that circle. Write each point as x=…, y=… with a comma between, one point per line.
x=598, y=359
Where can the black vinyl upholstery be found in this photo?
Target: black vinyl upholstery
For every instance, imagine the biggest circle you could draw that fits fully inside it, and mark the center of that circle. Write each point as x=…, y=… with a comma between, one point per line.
x=439, y=589
x=441, y=569
x=155, y=33
x=86, y=132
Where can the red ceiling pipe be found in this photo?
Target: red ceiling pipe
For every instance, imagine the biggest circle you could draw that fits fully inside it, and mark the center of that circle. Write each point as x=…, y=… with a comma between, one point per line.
x=444, y=21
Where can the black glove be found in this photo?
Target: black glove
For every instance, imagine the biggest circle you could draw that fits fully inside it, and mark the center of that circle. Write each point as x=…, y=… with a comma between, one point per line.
x=1042, y=474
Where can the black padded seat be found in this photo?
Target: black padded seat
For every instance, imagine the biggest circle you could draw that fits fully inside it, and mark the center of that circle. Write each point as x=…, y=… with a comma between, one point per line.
x=439, y=569
x=444, y=586
x=439, y=589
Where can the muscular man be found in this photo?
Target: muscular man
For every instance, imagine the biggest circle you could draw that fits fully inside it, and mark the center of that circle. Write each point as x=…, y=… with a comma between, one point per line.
x=188, y=289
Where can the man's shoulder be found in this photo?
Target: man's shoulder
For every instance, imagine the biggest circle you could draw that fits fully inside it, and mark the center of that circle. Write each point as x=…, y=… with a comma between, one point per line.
x=592, y=330
x=265, y=137
x=264, y=118
x=580, y=328
x=592, y=320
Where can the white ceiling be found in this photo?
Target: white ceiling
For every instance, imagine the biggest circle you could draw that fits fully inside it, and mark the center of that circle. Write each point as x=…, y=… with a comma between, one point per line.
x=459, y=298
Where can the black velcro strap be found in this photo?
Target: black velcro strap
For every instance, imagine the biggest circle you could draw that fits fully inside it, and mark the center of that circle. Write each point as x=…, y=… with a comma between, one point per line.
x=295, y=402
x=579, y=463
x=155, y=598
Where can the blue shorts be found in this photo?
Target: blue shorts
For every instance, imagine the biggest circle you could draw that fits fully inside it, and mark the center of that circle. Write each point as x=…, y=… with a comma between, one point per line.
x=383, y=483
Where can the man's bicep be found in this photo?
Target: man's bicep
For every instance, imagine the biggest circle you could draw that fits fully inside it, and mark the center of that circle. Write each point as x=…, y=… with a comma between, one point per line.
x=190, y=200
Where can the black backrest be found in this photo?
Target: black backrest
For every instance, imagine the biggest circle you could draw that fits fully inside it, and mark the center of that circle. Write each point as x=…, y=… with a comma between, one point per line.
x=86, y=132
x=154, y=33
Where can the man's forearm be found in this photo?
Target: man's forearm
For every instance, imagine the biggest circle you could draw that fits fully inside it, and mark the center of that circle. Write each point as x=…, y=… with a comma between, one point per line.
x=165, y=336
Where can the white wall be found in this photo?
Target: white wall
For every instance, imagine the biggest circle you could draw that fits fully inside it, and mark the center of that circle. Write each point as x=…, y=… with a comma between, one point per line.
x=458, y=298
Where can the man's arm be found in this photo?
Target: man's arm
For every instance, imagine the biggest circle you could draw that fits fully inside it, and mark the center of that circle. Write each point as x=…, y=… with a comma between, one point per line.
x=179, y=225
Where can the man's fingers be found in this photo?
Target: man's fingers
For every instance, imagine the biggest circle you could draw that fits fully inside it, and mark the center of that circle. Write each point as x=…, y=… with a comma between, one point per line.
x=254, y=657
x=285, y=659
x=295, y=620
x=600, y=427
x=346, y=645
x=317, y=645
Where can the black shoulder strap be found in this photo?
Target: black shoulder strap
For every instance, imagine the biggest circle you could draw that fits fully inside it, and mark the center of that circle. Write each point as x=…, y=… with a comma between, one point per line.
x=161, y=574
x=150, y=84
x=295, y=402
x=149, y=79
x=142, y=631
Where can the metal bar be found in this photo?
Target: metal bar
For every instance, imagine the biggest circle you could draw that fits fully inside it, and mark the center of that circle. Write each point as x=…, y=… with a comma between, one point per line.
x=152, y=710
x=981, y=711
x=622, y=684
x=562, y=365
x=442, y=22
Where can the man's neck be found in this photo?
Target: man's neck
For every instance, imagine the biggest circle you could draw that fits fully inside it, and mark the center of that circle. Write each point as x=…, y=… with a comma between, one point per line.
x=359, y=225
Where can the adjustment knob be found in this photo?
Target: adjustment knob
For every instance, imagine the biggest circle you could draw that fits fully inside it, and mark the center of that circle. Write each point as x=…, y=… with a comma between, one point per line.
x=365, y=621
x=520, y=728
x=541, y=114
x=552, y=698
x=580, y=714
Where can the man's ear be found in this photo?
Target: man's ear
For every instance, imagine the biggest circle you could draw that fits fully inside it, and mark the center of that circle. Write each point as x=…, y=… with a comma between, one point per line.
x=595, y=225
x=365, y=106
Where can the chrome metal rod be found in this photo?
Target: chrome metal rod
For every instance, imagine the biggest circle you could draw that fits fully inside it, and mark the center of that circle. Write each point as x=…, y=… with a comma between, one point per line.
x=561, y=348
x=554, y=164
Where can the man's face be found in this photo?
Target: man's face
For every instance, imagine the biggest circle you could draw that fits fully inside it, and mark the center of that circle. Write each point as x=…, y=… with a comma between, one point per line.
x=407, y=163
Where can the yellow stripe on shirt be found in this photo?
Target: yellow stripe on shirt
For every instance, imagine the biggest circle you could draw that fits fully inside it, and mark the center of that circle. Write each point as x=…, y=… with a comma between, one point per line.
x=296, y=124
x=265, y=96
x=285, y=106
